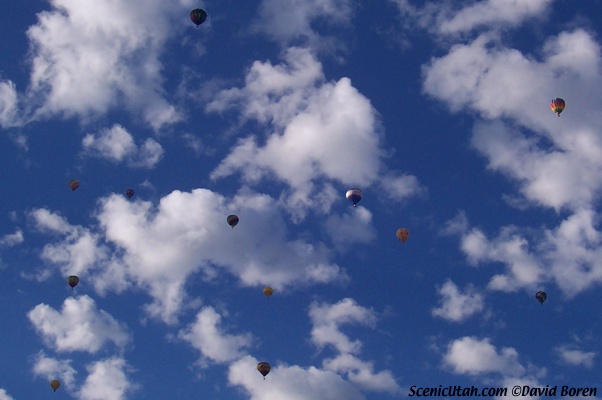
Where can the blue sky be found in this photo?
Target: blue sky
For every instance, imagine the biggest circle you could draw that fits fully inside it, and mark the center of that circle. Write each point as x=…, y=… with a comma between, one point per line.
x=272, y=110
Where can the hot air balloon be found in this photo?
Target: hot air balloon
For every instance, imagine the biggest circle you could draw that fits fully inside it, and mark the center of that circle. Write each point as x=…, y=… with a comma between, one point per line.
x=73, y=184
x=264, y=368
x=557, y=105
x=198, y=16
x=232, y=220
x=55, y=384
x=402, y=234
x=354, y=195
x=541, y=296
x=268, y=291
x=129, y=193
x=72, y=281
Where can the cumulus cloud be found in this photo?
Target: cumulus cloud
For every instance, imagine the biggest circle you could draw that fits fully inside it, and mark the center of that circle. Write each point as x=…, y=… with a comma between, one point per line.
x=86, y=60
x=117, y=144
x=291, y=382
x=473, y=356
x=12, y=239
x=327, y=320
x=78, y=252
x=4, y=395
x=449, y=18
x=556, y=161
x=291, y=22
x=573, y=356
x=79, y=326
x=51, y=368
x=206, y=335
x=158, y=248
x=354, y=226
x=570, y=254
x=309, y=121
x=457, y=306
x=106, y=380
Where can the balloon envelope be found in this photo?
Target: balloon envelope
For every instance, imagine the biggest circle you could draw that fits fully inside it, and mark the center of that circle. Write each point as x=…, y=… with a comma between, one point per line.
x=73, y=184
x=198, y=16
x=557, y=105
x=72, y=281
x=232, y=220
x=402, y=234
x=541, y=296
x=268, y=291
x=129, y=193
x=55, y=384
x=354, y=195
x=264, y=368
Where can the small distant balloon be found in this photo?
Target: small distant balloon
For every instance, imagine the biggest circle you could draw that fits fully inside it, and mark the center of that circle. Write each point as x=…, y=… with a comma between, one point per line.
x=73, y=184
x=541, y=296
x=232, y=220
x=354, y=195
x=557, y=105
x=55, y=384
x=268, y=291
x=402, y=234
x=72, y=281
x=264, y=368
x=198, y=16
x=129, y=193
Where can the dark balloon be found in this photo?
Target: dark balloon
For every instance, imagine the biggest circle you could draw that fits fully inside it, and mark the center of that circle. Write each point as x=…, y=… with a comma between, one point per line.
x=557, y=105
x=72, y=281
x=129, y=193
x=198, y=16
x=232, y=220
x=354, y=195
x=264, y=368
x=73, y=184
x=541, y=296
x=55, y=384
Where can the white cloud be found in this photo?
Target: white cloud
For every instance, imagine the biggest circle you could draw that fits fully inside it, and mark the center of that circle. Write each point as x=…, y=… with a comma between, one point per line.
x=51, y=368
x=456, y=306
x=290, y=382
x=80, y=250
x=362, y=373
x=117, y=144
x=106, y=380
x=12, y=239
x=524, y=267
x=447, y=18
x=354, y=226
x=327, y=320
x=158, y=248
x=572, y=356
x=473, y=356
x=556, y=161
x=206, y=335
x=87, y=59
x=8, y=104
x=4, y=395
x=79, y=326
x=570, y=254
x=291, y=22
x=308, y=121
